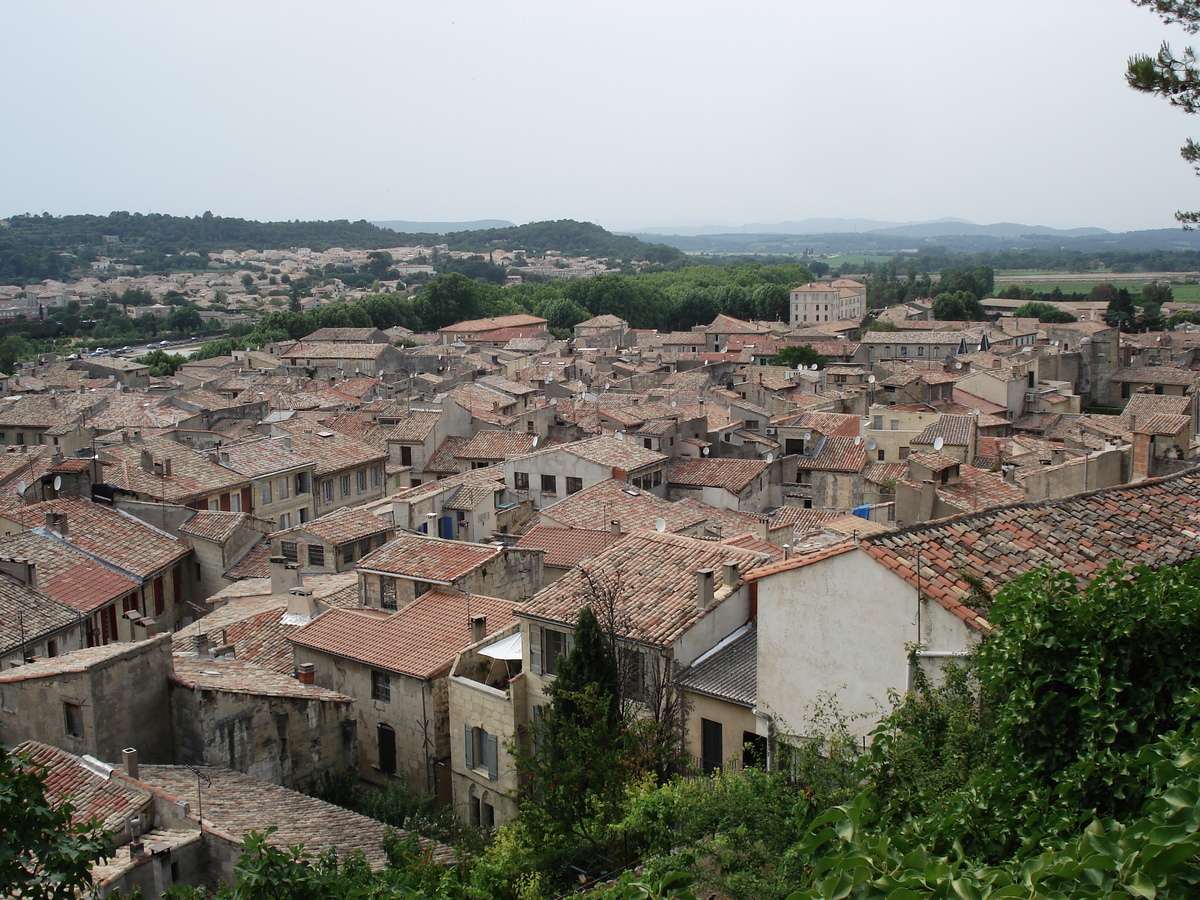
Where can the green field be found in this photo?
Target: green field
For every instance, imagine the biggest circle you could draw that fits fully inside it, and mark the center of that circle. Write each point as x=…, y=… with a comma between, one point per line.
x=1184, y=293
x=852, y=260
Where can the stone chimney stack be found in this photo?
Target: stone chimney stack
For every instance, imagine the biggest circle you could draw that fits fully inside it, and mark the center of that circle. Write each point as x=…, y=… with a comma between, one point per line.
x=704, y=588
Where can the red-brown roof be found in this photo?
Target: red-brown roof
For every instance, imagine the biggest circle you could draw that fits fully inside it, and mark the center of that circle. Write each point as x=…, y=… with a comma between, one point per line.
x=566, y=547
x=420, y=640
x=430, y=559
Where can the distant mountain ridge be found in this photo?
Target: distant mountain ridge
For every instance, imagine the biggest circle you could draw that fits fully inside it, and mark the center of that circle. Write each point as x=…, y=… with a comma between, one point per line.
x=949, y=226
x=443, y=227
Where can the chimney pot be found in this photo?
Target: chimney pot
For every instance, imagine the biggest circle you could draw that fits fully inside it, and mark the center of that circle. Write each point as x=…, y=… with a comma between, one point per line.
x=200, y=642
x=130, y=761
x=478, y=628
x=730, y=573
x=306, y=674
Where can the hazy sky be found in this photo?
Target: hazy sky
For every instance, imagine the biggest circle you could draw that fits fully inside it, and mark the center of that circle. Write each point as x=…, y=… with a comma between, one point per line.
x=629, y=114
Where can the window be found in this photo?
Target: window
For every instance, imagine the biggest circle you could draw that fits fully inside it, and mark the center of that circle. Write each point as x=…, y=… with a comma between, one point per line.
x=381, y=686
x=302, y=483
x=895, y=423
x=877, y=423
x=345, y=485
x=387, y=593
x=481, y=750
x=549, y=484
x=574, y=485
x=752, y=424
x=374, y=476
x=362, y=480
x=904, y=351
x=521, y=481
x=904, y=451
x=545, y=647
x=348, y=554
x=711, y=752
x=266, y=493
x=882, y=454
x=289, y=551
x=316, y=555
x=380, y=540
x=406, y=456
x=327, y=491
x=920, y=351
x=160, y=600
x=637, y=674
x=73, y=719
x=285, y=521
x=283, y=488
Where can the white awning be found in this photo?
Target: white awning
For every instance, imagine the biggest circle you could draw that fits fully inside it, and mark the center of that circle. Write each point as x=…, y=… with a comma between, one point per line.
x=505, y=648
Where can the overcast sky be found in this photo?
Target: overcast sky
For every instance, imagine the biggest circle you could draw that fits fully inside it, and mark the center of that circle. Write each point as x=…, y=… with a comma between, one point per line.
x=629, y=114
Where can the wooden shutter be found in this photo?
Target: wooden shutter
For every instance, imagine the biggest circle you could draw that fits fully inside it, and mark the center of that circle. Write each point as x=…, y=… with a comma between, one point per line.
x=535, y=649
x=490, y=752
x=468, y=747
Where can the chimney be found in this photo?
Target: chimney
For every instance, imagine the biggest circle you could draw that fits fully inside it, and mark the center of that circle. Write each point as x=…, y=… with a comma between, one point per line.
x=305, y=673
x=300, y=599
x=20, y=568
x=200, y=643
x=224, y=458
x=764, y=531
x=129, y=760
x=167, y=467
x=615, y=526
x=478, y=628
x=147, y=462
x=50, y=517
x=729, y=574
x=287, y=443
x=927, y=501
x=704, y=588
x=1142, y=444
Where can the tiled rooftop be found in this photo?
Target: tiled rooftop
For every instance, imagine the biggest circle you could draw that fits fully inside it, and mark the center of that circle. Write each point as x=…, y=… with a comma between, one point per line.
x=112, y=800
x=192, y=475
x=238, y=676
x=213, y=525
x=430, y=559
x=1153, y=523
x=566, y=547
x=344, y=525
x=237, y=804
x=836, y=454
x=109, y=535
x=655, y=577
x=75, y=661
x=731, y=474
x=729, y=671
x=632, y=507
x=65, y=574
x=420, y=640
x=497, y=445
x=955, y=431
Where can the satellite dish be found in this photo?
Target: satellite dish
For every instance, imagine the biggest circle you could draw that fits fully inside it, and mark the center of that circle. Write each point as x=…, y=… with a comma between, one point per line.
x=672, y=404
x=814, y=367
x=58, y=482
x=975, y=412
x=554, y=401
x=801, y=367
x=939, y=442
x=660, y=524
x=870, y=379
x=958, y=365
x=704, y=451
x=536, y=440
x=607, y=385
x=21, y=487
x=770, y=457
x=857, y=441
x=808, y=435
x=871, y=445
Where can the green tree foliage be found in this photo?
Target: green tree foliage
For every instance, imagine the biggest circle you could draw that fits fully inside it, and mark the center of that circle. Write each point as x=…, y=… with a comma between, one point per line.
x=577, y=773
x=803, y=355
x=13, y=349
x=1184, y=317
x=1175, y=77
x=1044, y=312
x=960, y=306
x=162, y=364
x=43, y=854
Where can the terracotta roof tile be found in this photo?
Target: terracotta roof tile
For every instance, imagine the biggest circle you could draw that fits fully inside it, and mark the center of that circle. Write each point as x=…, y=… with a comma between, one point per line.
x=430, y=559
x=566, y=547
x=655, y=575
x=420, y=640
x=731, y=474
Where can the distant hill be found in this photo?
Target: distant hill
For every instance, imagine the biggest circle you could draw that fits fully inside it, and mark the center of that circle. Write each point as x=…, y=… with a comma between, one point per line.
x=443, y=227
x=950, y=236
x=33, y=248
